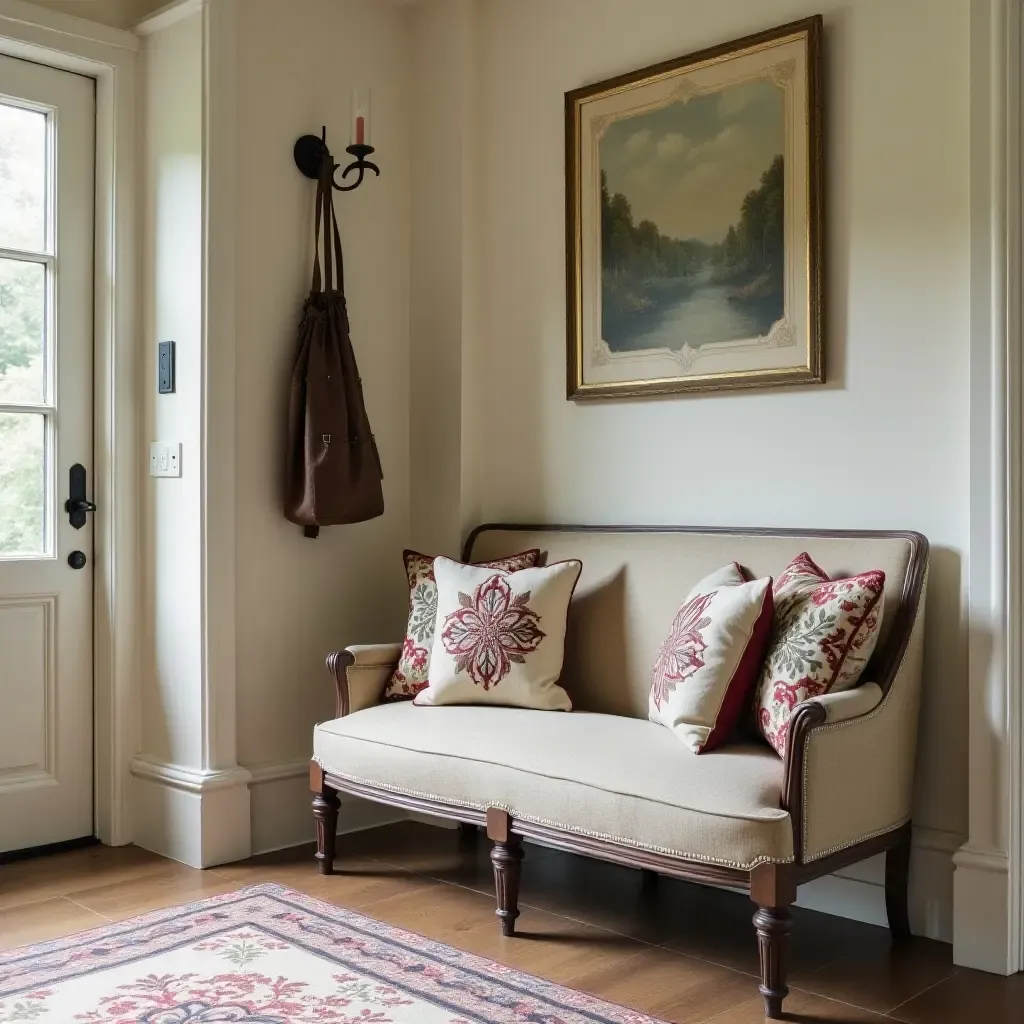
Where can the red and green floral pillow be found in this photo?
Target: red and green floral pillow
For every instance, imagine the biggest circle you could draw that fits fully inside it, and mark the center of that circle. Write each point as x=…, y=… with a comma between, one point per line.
x=825, y=631
x=411, y=674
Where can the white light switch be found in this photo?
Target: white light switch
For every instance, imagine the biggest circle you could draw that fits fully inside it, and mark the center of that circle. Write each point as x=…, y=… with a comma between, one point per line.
x=165, y=458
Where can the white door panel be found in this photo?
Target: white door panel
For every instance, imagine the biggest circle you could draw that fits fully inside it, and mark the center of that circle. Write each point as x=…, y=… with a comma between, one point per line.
x=47, y=154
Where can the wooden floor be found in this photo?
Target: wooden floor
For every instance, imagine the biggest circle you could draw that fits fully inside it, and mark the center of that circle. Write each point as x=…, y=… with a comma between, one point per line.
x=683, y=953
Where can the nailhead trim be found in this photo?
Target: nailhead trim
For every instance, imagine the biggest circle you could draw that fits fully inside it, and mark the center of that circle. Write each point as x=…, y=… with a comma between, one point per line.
x=697, y=858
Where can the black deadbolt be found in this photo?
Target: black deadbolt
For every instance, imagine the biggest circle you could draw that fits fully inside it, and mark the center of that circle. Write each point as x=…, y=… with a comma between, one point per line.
x=77, y=559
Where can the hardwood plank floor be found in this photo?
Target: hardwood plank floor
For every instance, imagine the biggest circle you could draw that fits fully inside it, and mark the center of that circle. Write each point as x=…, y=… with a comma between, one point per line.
x=681, y=952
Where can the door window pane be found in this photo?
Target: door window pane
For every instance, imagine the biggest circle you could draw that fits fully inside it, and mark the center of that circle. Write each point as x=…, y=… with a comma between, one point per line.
x=22, y=331
x=22, y=178
x=22, y=483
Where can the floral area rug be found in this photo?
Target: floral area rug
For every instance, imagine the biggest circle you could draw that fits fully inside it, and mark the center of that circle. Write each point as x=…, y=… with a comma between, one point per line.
x=268, y=955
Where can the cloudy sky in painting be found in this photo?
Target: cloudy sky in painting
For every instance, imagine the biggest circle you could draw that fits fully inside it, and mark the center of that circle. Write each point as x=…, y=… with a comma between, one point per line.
x=688, y=166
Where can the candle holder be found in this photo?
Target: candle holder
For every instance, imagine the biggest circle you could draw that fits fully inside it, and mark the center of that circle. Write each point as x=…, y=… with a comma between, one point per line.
x=310, y=153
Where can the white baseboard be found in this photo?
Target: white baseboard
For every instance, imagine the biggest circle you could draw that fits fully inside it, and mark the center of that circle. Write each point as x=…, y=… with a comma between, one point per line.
x=279, y=807
x=858, y=892
x=981, y=888
x=197, y=817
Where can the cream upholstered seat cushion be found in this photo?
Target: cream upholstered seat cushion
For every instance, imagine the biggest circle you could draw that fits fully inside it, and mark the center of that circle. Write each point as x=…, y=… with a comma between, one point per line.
x=623, y=779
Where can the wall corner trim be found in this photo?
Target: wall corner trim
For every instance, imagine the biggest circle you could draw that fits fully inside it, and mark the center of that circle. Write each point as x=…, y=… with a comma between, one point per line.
x=167, y=15
x=188, y=780
x=199, y=817
x=983, y=911
x=35, y=20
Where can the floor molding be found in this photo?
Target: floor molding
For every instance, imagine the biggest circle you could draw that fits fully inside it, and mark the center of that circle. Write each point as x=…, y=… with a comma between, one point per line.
x=983, y=907
x=195, y=816
x=279, y=808
x=858, y=892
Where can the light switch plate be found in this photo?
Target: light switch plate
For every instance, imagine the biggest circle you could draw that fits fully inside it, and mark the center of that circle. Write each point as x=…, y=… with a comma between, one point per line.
x=165, y=458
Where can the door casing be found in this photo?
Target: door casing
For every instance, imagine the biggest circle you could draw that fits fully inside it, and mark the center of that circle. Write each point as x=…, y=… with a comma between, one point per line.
x=110, y=57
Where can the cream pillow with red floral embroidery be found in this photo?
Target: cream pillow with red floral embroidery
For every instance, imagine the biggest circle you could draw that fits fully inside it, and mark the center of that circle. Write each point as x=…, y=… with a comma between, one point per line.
x=411, y=674
x=500, y=636
x=707, y=667
x=825, y=632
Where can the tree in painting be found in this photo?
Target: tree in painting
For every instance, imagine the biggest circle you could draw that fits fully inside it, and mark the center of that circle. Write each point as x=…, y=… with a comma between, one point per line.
x=692, y=221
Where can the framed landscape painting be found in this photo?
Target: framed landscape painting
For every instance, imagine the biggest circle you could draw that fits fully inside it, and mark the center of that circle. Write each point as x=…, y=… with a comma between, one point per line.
x=693, y=221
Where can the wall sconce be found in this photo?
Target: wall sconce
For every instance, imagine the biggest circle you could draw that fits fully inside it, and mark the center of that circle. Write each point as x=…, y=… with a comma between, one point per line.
x=310, y=152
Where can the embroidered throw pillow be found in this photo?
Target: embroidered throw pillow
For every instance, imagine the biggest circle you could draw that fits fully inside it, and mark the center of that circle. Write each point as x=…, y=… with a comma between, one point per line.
x=707, y=667
x=500, y=636
x=411, y=674
x=825, y=631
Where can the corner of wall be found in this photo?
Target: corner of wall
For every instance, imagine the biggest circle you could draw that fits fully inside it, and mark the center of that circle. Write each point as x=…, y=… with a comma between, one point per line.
x=200, y=818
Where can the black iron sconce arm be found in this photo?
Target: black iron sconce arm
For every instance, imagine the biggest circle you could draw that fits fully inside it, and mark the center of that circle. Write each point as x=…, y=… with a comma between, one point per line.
x=310, y=153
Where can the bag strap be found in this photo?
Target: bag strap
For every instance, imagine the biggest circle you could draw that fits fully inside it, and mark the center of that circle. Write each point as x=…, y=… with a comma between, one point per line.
x=316, y=232
x=325, y=214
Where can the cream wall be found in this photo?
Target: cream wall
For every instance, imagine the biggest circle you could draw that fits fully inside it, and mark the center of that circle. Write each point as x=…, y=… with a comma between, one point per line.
x=297, y=599
x=116, y=13
x=883, y=444
x=172, y=229
x=455, y=269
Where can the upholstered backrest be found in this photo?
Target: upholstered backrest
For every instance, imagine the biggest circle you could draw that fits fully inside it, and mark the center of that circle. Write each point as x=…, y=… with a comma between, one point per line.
x=634, y=581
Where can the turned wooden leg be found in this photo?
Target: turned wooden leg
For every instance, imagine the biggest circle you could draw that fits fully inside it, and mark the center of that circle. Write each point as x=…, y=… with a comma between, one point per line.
x=507, y=859
x=468, y=833
x=325, y=814
x=897, y=882
x=773, y=889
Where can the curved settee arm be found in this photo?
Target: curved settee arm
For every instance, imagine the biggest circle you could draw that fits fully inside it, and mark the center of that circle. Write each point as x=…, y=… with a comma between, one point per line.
x=360, y=674
x=850, y=758
x=840, y=707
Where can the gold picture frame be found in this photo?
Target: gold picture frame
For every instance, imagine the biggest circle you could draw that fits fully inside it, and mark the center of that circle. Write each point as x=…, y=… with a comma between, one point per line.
x=694, y=221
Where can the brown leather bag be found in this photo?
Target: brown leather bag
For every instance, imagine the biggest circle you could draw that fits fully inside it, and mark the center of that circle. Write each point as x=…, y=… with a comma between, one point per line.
x=333, y=471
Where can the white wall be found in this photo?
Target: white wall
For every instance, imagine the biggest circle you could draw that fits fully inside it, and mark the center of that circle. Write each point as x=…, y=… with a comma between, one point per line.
x=883, y=444
x=298, y=599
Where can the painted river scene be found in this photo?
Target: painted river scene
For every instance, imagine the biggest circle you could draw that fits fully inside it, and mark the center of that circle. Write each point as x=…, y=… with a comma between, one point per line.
x=692, y=240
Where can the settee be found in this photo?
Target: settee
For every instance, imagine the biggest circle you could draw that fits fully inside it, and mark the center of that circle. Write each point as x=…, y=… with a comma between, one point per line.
x=604, y=782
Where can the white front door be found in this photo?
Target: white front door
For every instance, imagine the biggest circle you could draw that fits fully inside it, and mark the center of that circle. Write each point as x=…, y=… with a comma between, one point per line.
x=47, y=155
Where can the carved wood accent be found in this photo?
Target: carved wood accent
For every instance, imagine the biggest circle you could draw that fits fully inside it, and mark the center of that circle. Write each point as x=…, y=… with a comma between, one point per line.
x=507, y=860
x=897, y=885
x=773, y=889
x=773, y=927
x=338, y=663
x=806, y=716
x=325, y=815
x=558, y=839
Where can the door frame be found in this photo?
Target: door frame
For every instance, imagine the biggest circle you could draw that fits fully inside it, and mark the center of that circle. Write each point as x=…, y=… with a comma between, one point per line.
x=109, y=56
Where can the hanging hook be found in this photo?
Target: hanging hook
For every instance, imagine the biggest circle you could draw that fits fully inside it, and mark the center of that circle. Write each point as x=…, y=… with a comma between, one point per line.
x=310, y=153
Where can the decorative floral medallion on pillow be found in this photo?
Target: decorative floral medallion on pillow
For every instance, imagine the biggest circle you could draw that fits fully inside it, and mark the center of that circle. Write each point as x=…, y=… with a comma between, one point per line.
x=825, y=631
x=500, y=636
x=411, y=674
x=706, y=668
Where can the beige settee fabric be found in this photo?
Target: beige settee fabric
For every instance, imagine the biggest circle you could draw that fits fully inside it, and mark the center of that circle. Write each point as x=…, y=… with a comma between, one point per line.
x=610, y=772
x=842, y=807
x=633, y=583
x=623, y=779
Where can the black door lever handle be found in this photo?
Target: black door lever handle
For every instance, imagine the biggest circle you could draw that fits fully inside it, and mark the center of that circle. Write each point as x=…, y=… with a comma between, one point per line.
x=77, y=505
